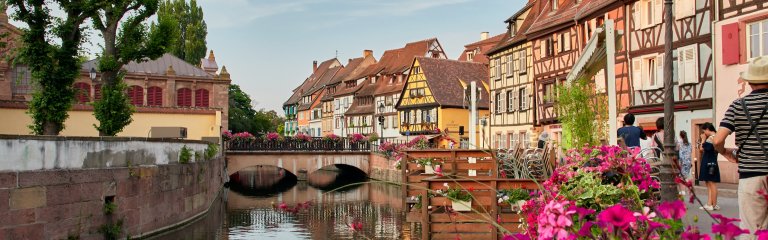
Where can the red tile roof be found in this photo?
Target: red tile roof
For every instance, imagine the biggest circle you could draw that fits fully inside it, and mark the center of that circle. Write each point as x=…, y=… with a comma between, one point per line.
x=359, y=109
x=548, y=20
x=481, y=46
x=443, y=77
x=520, y=35
x=310, y=82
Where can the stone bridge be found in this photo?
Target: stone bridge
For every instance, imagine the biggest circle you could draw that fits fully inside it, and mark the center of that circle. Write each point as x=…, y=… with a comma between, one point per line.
x=296, y=162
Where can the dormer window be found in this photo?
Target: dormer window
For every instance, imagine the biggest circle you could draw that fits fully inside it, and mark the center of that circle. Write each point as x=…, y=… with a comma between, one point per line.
x=470, y=55
x=554, y=5
x=512, y=28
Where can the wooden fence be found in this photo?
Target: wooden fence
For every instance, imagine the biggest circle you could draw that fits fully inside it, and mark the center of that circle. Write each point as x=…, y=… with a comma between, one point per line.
x=438, y=221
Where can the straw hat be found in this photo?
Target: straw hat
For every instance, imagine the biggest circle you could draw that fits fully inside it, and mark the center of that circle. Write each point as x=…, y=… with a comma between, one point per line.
x=757, y=71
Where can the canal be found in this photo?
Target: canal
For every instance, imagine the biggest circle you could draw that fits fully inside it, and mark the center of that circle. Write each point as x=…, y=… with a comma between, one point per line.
x=268, y=203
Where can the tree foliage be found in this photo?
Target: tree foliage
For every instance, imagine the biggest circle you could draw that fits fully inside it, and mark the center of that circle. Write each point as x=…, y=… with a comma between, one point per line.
x=135, y=41
x=582, y=113
x=189, y=27
x=54, y=63
x=243, y=118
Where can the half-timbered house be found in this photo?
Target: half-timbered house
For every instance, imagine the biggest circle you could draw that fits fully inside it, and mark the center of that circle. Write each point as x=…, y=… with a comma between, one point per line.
x=692, y=62
x=305, y=98
x=741, y=27
x=433, y=102
x=475, y=52
x=343, y=96
x=511, y=113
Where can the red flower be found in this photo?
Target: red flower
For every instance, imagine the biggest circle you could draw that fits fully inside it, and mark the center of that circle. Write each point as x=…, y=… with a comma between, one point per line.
x=617, y=216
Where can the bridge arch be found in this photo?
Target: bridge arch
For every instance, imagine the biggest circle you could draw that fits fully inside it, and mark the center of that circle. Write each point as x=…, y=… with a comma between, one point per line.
x=262, y=180
x=296, y=162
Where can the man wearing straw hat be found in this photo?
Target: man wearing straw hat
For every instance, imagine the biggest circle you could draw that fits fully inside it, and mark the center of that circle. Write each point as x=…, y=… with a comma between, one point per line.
x=747, y=118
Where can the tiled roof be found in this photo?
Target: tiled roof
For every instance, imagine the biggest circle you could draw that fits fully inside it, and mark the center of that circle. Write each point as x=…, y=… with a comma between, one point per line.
x=519, y=36
x=593, y=6
x=327, y=76
x=158, y=67
x=309, y=82
x=343, y=90
x=483, y=46
x=406, y=54
x=346, y=71
x=443, y=77
x=548, y=19
x=354, y=75
x=359, y=109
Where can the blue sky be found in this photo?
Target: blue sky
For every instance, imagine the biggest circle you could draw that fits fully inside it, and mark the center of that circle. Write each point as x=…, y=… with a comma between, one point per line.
x=268, y=45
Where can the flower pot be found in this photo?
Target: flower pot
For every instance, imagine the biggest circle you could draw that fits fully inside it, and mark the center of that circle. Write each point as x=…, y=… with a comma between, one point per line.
x=518, y=206
x=428, y=169
x=461, y=206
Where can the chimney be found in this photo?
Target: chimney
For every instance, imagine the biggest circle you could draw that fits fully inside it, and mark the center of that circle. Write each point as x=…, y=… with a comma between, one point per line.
x=314, y=66
x=367, y=53
x=483, y=36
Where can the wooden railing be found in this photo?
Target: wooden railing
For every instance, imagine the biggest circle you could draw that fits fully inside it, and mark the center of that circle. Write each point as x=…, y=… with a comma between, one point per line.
x=436, y=218
x=314, y=144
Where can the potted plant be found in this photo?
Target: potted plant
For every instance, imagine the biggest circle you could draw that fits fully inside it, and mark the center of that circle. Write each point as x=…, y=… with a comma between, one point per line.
x=429, y=164
x=461, y=201
x=516, y=198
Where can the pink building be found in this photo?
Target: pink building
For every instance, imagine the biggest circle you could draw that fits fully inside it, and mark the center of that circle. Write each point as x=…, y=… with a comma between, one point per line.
x=740, y=35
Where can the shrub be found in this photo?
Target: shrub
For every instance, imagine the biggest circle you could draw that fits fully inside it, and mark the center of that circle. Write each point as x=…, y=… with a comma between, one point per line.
x=211, y=151
x=185, y=155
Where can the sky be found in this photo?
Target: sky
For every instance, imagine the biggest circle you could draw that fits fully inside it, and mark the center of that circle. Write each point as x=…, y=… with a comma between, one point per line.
x=268, y=45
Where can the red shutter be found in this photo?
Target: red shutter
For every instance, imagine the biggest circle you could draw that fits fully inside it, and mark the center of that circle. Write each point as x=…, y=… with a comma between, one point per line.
x=136, y=94
x=82, y=92
x=201, y=98
x=97, y=92
x=184, y=97
x=731, y=50
x=154, y=96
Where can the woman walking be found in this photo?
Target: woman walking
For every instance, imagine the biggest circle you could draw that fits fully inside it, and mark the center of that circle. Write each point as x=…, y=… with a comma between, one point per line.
x=709, y=171
x=684, y=146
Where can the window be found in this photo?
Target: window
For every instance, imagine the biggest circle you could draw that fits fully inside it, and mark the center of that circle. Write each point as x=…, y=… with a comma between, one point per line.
x=554, y=5
x=648, y=13
x=510, y=101
x=416, y=70
x=184, y=97
x=336, y=104
x=512, y=28
x=510, y=67
x=470, y=55
x=21, y=77
x=498, y=69
x=201, y=98
x=82, y=92
x=526, y=139
x=154, y=96
x=512, y=140
x=395, y=123
x=547, y=48
x=502, y=141
x=136, y=94
x=549, y=94
x=97, y=92
x=685, y=8
x=523, y=99
x=757, y=39
x=565, y=42
x=499, y=104
x=687, y=66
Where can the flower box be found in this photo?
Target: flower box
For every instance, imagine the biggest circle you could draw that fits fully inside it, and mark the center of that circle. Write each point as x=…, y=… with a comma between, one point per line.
x=518, y=206
x=428, y=169
x=461, y=206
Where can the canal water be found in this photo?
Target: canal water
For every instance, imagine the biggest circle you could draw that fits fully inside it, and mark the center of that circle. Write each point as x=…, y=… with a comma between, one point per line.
x=269, y=203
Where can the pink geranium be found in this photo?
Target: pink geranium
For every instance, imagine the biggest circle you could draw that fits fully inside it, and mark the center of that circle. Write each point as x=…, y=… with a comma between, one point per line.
x=273, y=136
x=616, y=216
x=302, y=137
x=555, y=220
x=354, y=138
x=672, y=210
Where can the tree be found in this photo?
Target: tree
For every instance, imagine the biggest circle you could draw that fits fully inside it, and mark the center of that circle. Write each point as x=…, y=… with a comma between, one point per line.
x=583, y=114
x=135, y=42
x=189, y=27
x=243, y=118
x=54, y=66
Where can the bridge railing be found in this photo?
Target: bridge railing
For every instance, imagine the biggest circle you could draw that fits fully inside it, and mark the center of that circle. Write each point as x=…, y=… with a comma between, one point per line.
x=313, y=144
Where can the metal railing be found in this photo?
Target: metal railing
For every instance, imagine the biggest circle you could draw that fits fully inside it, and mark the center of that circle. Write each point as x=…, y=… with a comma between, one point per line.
x=314, y=144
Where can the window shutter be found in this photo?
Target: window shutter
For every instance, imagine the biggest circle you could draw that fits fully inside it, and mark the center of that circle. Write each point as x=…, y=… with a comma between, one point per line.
x=690, y=67
x=97, y=92
x=637, y=74
x=636, y=15
x=659, y=71
x=657, y=12
x=730, y=38
x=201, y=98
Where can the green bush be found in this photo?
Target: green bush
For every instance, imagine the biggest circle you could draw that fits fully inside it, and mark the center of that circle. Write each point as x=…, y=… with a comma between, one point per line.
x=211, y=151
x=583, y=114
x=185, y=155
x=112, y=230
x=113, y=110
x=110, y=208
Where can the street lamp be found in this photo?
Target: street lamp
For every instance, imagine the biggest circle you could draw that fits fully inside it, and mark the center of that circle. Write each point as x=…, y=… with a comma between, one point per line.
x=666, y=172
x=92, y=74
x=381, y=122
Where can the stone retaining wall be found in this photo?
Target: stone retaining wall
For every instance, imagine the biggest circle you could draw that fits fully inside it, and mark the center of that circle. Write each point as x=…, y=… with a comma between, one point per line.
x=383, y=168
x=62, y=203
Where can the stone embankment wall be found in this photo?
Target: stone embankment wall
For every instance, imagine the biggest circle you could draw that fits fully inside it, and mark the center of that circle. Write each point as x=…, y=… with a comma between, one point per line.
x=383, y=168
x=58, y=187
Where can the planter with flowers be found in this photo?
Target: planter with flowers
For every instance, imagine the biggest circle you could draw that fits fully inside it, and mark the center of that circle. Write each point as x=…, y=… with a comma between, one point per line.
x=516, y=198
x=461, y=201
x=272, y=137
x=430, y=164
x=302, y=137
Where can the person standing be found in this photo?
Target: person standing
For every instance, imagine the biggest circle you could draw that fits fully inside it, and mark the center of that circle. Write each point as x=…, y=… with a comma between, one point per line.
x=709, y=172
x=658, y=138
x=630, y=133
x=746, y=117
x=543, y=138
x=684, y=148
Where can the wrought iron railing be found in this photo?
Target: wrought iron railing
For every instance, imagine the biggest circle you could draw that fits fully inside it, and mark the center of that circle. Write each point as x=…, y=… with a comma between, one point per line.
x=314, y=144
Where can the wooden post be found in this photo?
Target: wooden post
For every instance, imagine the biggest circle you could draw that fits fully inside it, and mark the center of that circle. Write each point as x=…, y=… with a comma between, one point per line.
x=425, y=225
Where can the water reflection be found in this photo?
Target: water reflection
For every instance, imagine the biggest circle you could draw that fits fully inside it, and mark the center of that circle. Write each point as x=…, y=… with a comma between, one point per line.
x=251, y=212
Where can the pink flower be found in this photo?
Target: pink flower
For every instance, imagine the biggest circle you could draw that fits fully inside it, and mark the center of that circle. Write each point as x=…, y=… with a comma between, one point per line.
x=693, y=234
x=763, y=193
x=554, y=220
x=438, y=171
x=356, y=226
x=586, y=230
x=672, y=210
x=616, y=216
x=762, y=234
x=728, y=230
x=583, y=212
x=646, y=215
x=517, y=236
x=283, y=206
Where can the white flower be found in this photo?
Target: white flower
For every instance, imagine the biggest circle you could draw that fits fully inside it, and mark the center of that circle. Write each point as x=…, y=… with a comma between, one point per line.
x=445, y=184
x=501, y=200
x=418, y=165
x=506, y=198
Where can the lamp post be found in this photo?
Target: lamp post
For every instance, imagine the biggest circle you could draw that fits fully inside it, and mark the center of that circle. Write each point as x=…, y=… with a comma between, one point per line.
x=666, y=173
x=92, y=74
x=381, y=123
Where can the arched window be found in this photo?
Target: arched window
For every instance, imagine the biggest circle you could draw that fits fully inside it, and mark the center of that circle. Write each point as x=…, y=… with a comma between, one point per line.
x=136, y=94
x=82, y=92
x=184, y=97
x=201, y=98
x=97, y=92
x=154, y=96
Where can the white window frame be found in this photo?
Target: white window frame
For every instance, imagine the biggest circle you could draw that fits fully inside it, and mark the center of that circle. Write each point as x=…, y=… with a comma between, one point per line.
x=762, y=49
x=510, y=66
x=523, y=99
x=655, y=71
x=470, y=55
x=512, y=139
x=511, y=101
x=523, y=65
x=688, y=65
x=499, y=102
x=554, y=4
x=652, y=8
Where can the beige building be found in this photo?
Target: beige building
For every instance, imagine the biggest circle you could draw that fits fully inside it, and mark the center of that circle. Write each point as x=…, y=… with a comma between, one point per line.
x=167, y=92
